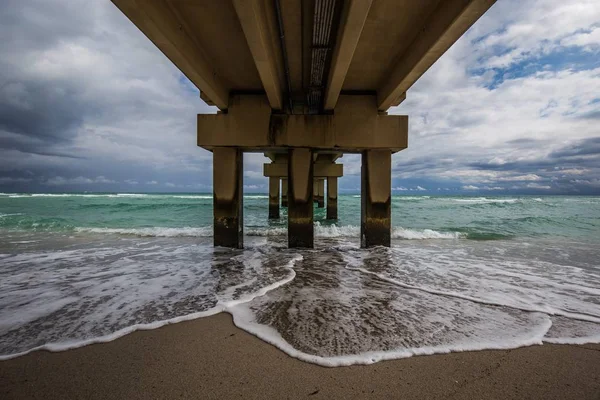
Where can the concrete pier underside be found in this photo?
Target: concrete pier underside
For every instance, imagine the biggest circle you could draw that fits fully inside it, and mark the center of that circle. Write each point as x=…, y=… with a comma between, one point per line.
x=303, y=78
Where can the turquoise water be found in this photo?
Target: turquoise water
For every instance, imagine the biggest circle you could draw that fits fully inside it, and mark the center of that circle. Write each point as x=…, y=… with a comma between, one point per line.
x=463, y=273
x=478, y=218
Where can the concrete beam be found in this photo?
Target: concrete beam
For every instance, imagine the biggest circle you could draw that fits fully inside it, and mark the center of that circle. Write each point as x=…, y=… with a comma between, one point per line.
x=445, y=26
x=354, y=15
x=399, y=100
x=228, y=197
x=300, y=199
x=254, y=20
x=319, y=171
x=376, y=198
x=355, y=126
x=327, y=158
x=158, y=21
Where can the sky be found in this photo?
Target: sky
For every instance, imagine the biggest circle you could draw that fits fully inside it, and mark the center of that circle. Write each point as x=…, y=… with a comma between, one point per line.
x=88, y=103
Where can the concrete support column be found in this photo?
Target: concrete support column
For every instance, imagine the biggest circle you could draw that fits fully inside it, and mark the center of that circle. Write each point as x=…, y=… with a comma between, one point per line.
x=273, y=198
x=228, y=197
x=300, y=198
x=320, y=192
x=332, y=195
x=284, y=191
x=376, y=190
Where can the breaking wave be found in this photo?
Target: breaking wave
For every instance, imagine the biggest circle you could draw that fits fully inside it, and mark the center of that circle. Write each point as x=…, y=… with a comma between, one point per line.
x=323, y=231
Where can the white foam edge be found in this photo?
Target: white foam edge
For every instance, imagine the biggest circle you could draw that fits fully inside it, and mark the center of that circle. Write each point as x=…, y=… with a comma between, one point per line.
x=324, y=231
x=203, y=231
x=243, y=319
x=57, y=347
x=577, y=340
x=546, y=310
x=218, y=308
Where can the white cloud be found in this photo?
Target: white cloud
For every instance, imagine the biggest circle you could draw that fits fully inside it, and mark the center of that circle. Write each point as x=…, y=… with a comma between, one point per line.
x=588, y=40
x=537, y=186
x=80, y=180
x=254, y=187
x=493, y=188
x=527, y=177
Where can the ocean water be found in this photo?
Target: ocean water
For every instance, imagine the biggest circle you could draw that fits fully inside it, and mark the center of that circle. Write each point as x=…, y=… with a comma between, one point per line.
x=463, y=273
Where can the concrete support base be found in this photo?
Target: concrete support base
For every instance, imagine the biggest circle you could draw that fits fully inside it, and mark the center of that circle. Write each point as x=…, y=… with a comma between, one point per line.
x=332, y=195
x=319, y=192
x=273, y=198
x=284, y=191
x=300, y=198
x=376, y=190
x=228, y=197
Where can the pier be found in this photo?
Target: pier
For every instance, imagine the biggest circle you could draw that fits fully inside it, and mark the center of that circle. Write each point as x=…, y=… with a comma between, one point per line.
x=303, y=82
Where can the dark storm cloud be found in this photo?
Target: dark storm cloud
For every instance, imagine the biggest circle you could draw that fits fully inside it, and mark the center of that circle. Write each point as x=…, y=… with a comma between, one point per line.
x=572, y=168
x=585, y=147
x=88, y=103
x=584, y=153
x=38, y=113
x=527, y=143
x=43, y=104
x=35, y=114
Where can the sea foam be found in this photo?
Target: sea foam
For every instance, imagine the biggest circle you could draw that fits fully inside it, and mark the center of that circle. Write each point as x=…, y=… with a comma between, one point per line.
x=335, y=305
x=152, y=232
x=322, y=231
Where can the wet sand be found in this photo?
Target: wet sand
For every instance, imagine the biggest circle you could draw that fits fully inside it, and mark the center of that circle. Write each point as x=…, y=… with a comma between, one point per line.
x=211, y=358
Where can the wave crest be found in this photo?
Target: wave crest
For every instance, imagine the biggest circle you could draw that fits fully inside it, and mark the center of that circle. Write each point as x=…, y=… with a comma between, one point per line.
x=323, y=231
x=203, y=231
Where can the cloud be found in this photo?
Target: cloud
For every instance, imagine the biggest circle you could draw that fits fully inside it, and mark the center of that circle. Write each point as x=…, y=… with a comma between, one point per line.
x=86, y=100
x=589, y=40
x=80, y=180
x=511, y=101
x=10, y=180
x=253, y=187
x=538, y=186
x=83, y=91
